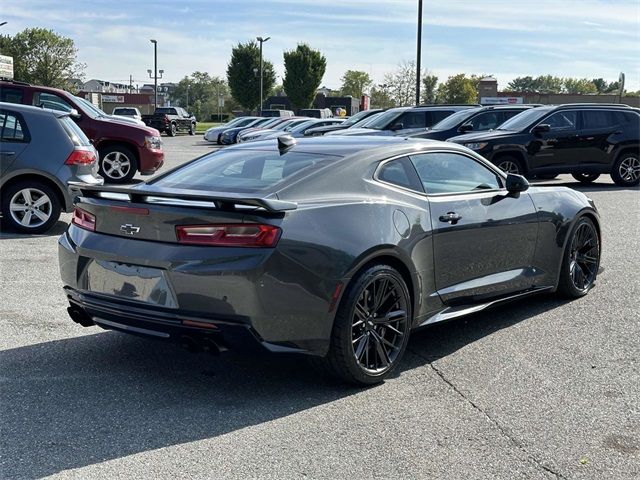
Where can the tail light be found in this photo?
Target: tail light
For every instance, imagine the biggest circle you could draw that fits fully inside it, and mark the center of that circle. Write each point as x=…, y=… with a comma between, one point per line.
x=232, y=235
x=81, y=157
x=84, y=219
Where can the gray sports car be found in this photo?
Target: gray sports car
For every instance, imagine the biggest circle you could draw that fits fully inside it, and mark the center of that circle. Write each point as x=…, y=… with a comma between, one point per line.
x=333, y=247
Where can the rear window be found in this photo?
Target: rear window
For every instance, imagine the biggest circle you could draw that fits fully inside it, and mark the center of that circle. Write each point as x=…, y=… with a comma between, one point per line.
x=166, y=111
x=76, y=135
x=242, y=170
x=125, y=111
x=10, y=95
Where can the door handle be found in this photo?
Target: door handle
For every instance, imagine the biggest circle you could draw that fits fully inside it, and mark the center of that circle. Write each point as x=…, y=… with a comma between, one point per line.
x=450, y=217
x=7, y=154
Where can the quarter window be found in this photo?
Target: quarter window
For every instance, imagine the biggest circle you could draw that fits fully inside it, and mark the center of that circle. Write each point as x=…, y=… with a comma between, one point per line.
x=447, y=172
x=400, y=172
x=11, y=128
x=562, y=121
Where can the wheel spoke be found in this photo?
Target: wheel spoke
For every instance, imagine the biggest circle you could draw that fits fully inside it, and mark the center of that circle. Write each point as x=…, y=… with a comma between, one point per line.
x=381, y=352
x=18, y=207
x=41, y=201
x=395, y=316
x=362, y=346
x=41, y=215
x=26, y=194
x=26, y=220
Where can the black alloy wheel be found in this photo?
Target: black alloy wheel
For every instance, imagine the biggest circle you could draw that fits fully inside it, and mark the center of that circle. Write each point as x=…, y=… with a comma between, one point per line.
x=626, y=170
x=585, y=177
x=509, y=165
x=582, y=259
x=372, y=327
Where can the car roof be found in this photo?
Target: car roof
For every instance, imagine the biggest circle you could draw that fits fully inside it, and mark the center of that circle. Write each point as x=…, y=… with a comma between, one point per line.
x=31, y=109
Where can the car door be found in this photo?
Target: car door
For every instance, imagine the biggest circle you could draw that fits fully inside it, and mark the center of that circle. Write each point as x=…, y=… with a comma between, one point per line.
x=14, y=138
x=484, y=237
x=555, y=149
x=597, y=139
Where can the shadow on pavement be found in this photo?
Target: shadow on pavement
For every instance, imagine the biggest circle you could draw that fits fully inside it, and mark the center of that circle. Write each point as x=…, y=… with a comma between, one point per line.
x=84, y=400
x=7, y=233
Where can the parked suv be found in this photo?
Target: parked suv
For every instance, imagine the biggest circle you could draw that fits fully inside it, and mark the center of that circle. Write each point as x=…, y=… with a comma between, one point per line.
x=585, y=140
x=405, y=120
x=472, y=119
x=41, y=151
x=128, y=112
x=171, y=120
x=124, y=148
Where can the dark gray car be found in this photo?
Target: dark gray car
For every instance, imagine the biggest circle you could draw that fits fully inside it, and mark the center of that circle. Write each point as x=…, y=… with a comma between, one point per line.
x=41, y=151
x=333, y=247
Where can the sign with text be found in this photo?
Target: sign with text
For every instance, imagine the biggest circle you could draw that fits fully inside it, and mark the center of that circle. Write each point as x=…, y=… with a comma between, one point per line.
x=113, y=98
x=6, y=67
x=501, y=100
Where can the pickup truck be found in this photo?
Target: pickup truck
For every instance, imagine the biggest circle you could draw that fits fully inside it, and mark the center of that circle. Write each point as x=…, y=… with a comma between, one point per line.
x=171, y=120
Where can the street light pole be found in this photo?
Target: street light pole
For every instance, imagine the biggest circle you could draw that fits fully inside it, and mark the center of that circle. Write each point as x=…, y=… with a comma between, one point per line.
x=261, y=40
x=155, y=73
x=419, y=52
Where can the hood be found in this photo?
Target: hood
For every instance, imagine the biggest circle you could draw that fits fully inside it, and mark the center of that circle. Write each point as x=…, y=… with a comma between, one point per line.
x=116, y=125
x=128, y=120
x=481, y=136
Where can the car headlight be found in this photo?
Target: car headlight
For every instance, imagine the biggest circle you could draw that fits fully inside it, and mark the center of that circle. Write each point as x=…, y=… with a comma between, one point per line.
x=476, y=145
x=154, y=143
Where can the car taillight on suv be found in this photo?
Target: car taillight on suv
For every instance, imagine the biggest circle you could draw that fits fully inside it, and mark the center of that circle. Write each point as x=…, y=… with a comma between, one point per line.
x=80, y=156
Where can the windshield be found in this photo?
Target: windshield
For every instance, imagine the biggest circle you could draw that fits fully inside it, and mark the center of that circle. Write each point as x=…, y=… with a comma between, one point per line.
x=300, y=126
x=272, y=123
x=385, y=119
x=92, y=110
x=356, y=118
x=524, y=119
x=366, y=121
x=456, y=119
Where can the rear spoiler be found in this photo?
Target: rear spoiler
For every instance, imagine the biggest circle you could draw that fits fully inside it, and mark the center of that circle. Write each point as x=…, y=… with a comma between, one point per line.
x=179, y=197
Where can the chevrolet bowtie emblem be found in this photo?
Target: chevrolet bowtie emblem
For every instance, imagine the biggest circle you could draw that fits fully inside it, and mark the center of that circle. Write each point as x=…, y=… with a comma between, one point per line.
x=129, y=229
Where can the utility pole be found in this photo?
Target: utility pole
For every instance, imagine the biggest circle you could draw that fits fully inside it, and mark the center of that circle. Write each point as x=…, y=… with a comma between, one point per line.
x=419, y=52
x=261, y=40
x=155, y=73
x=130, y=83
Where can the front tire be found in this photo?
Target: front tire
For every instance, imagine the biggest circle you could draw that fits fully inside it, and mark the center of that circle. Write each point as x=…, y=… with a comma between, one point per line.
x=172, y=130
x=510, y=164
x=30, y=206
x=118, y=164
x=585, y=177
x=371, y=327
x=626, y=170
x=581, y=260
x=192, y=129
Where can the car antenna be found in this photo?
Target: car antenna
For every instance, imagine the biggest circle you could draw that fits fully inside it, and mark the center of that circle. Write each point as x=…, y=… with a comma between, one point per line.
x=285, y=142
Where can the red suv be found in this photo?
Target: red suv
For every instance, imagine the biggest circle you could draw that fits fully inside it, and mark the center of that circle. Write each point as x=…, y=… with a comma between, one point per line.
x=124, y=148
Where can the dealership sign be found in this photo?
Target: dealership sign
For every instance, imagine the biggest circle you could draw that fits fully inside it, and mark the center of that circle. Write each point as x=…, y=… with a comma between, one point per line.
x=501, y=100
x=113, y=98
x=6, y=67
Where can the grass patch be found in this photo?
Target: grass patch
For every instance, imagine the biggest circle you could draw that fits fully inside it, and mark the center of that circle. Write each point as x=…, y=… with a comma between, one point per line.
x=202, y=127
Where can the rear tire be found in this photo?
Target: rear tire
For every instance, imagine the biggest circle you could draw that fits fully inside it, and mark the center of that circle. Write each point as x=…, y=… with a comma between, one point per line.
x=118, y=164
x=581, y=260
x=509, y=164
x=585, y=177
x=172, y=130
x=30, y=206
x=371, y=328
x=547, y=176
x=192, y=129
x=626, y=170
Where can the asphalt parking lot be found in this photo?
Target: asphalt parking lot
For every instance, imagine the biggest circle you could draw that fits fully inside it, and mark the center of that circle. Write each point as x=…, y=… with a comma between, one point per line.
x=541, y=389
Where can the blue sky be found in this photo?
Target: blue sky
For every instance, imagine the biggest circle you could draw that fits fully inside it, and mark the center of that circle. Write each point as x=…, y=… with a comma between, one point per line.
x=584, y=38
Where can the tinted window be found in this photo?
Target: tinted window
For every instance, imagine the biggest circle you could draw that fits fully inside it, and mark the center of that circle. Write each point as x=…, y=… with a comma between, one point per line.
x=399, y=172
x=73, y=131
x=125, y=111
x=627, y=120
x=485, y=121
x=435, y=116
x=166, y=111
x=411, y=120
x=52, y=101
x=241, y=170
x=562, y=121
x=11, y=128
x=507, y=114
x=11, y=95
x=384, y=120
x=597, y=119
x=454, y=120
x=524, y=119
x=453, y=173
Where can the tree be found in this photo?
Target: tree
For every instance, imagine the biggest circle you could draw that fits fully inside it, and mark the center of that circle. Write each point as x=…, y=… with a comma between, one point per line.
x=355, y=83
x=521, y=84
x=579, y=85
x=429, y=85
x=380, y=97
x=600, y=84
x=304, y=69
x=458, y=89
x=401, y=84
x=199, y=92
x=243, y=75
x=43, y=57
x=541, y=84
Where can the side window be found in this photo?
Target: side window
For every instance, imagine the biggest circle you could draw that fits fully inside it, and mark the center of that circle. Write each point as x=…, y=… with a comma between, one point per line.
x=596, y=119
x=11, y=128
x=399, y=172
x=11, y=95
x=435, y=116
x=562, y=121
x=507, y=114
x=445, y=172
x=627, y=120
x=411, y=120
x=52, y=101
x=485, y=121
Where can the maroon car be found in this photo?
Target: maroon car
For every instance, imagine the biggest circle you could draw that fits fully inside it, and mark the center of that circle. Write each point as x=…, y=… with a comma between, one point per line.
x=124, y=148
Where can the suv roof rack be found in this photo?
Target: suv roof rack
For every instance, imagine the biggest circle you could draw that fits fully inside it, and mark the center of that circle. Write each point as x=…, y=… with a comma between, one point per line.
x=449, y=105
x=608, y=105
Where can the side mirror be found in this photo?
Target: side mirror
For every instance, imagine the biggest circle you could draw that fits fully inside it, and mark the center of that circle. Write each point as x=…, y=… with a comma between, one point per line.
x=467, y=127
x=516, y=183
x=541, y=128
x=396, y=126
x=74, y=114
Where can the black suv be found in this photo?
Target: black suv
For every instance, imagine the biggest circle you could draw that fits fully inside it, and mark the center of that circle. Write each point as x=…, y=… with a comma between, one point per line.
x=472, y=120
x=585, y=140
x=405, y=120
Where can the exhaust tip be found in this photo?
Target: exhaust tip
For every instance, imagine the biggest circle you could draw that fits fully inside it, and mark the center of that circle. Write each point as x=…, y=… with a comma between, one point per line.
x=79, y=316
